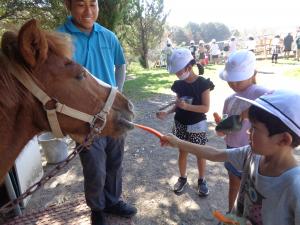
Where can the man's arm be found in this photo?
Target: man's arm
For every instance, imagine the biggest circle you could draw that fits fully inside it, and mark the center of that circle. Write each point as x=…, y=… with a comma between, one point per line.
x=120, y=74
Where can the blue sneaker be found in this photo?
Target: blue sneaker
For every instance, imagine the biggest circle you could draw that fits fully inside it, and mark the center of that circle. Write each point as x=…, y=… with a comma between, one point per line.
x=202, y=188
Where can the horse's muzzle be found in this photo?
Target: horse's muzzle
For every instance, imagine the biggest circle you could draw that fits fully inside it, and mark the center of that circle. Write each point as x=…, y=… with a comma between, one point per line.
x=126, y=123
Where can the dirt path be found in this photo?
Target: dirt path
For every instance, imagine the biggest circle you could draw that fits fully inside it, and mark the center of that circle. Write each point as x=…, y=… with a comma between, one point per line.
x=151, y=171
x=149, y=175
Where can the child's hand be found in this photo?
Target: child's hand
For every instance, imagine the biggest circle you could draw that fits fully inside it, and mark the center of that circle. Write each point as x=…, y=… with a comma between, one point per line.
x=244, y=115
x=181, y=104
x=217, y=117
x=220, y=134
x=169, y=140
x=161, y=115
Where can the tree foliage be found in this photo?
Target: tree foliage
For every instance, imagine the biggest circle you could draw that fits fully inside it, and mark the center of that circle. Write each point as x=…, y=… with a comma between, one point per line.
x=139, y=24
x=193, y=31
x=112, y=12
x=143, y=27
x=179, y=36
x=203, y=31
x=50, y=13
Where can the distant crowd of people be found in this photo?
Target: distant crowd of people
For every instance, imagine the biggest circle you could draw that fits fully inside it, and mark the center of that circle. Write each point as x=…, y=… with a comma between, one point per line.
x=218, y=52
x=287, y=46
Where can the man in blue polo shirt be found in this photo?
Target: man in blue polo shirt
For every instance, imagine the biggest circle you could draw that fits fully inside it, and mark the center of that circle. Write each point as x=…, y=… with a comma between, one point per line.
x=98, y=49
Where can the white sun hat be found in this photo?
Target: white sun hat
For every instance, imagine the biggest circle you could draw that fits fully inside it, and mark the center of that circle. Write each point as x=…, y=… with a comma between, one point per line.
x=239, y=66
x=284, y=104
x=179, y=59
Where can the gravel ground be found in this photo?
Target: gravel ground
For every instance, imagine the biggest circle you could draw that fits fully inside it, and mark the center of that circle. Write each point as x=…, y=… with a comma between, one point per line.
x=151, y=171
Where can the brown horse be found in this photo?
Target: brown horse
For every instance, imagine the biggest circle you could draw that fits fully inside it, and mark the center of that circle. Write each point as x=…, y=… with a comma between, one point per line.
x=45, y=58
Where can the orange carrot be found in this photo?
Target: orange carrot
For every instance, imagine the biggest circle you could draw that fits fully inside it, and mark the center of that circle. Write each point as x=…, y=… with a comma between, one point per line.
x=219, y=216
x=217, y=117
x=150, y=130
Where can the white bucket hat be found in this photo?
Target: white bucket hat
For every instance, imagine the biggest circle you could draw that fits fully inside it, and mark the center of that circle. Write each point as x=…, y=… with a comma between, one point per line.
x=279, y=104
x=239, y=66
x=179, y=59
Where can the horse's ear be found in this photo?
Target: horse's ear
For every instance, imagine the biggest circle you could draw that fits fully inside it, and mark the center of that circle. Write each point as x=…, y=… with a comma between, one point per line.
x=9, y=44
x=32, y=43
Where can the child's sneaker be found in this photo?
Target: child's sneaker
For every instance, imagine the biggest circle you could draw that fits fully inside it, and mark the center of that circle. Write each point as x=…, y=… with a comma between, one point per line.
x=202, y=187
x=179, y=186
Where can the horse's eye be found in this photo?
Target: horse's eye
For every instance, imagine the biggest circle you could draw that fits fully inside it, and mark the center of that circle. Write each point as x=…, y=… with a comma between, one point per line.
x=80, y=76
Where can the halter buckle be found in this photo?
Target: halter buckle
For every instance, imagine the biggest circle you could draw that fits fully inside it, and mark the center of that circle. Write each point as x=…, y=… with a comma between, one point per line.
x=99, y=116
x=51, y=104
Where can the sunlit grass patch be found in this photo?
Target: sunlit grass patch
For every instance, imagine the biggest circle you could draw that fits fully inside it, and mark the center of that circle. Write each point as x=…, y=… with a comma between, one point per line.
x=293, y=72
x=142, y=84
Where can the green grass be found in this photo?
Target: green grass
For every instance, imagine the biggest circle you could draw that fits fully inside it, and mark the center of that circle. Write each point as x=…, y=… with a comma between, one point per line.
x=293, y=72
x=142, y=83
x=290, y=67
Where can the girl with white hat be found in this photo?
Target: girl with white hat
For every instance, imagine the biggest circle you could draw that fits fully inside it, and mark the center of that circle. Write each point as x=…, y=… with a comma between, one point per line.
x=193, y=100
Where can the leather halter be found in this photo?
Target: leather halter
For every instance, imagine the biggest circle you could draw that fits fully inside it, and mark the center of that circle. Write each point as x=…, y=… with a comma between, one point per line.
x=36, y=91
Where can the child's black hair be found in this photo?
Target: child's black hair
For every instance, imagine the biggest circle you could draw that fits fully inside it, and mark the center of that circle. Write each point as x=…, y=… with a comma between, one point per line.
x=191, y=63
x=272, y=123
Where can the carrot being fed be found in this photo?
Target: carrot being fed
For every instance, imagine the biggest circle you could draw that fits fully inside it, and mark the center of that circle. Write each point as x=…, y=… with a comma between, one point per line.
x=149, y=129
x=219, y=216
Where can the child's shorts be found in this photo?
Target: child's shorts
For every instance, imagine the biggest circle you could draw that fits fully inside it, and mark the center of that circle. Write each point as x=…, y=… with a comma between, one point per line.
x=181, y=131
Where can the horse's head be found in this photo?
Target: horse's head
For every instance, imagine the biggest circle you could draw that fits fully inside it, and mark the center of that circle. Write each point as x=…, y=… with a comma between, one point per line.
x=39, y=83
x=46, y=57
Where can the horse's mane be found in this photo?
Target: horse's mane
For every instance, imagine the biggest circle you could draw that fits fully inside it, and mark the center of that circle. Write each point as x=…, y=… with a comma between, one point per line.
x=10, y=91
x=60, y=44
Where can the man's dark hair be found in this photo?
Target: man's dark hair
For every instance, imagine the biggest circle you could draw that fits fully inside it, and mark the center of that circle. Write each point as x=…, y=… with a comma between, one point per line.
x=272, y=123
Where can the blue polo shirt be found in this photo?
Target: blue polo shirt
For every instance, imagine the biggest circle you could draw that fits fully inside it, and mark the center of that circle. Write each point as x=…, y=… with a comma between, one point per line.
x=98, y=51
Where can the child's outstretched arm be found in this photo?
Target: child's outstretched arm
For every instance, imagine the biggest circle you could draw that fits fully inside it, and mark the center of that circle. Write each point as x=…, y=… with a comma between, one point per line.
x=202, y=151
